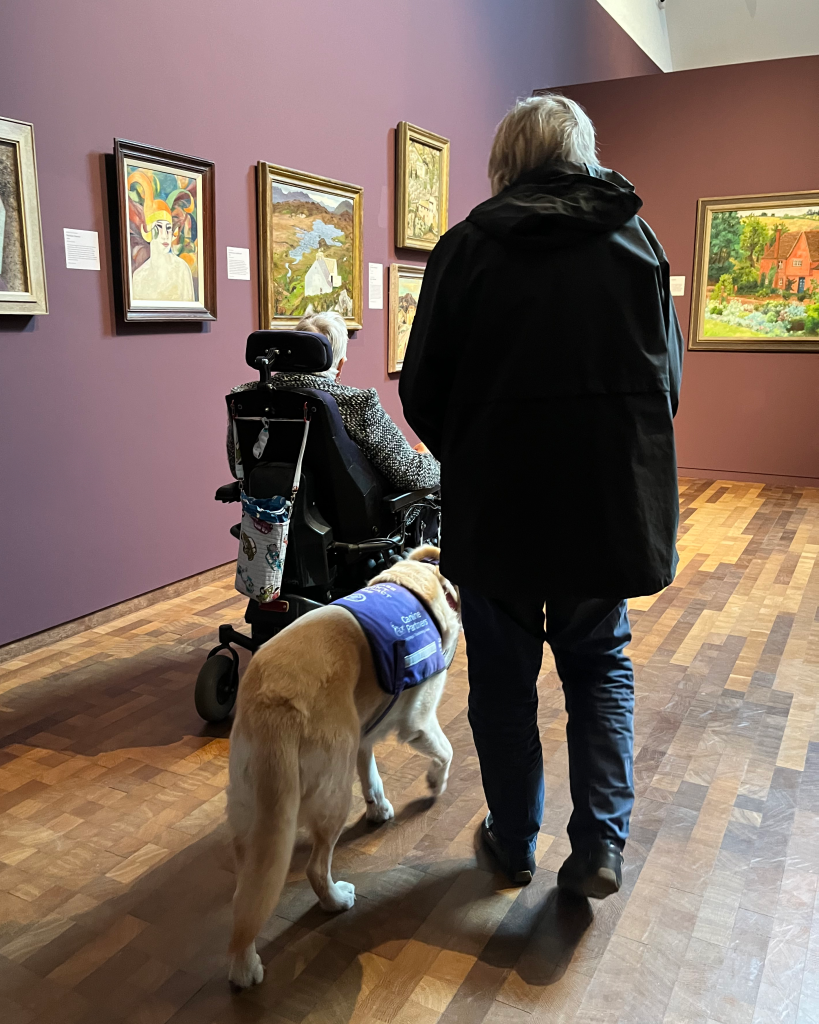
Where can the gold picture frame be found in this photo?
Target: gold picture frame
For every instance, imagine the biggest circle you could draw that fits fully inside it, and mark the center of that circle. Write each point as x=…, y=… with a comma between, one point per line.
x=22, y=264
x=421, y=206
x=302, y=218
x=405, y=289
x=756, y=274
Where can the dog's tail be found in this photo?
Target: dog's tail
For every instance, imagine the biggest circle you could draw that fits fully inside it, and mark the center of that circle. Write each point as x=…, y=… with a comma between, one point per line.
x=269, y=781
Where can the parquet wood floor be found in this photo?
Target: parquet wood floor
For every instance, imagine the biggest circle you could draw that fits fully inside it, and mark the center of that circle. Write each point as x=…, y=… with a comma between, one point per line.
x=116, y=877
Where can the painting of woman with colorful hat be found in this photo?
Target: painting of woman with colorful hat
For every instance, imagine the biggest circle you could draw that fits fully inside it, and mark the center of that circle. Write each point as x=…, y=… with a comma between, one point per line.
x=163, y=265
x=163, y=253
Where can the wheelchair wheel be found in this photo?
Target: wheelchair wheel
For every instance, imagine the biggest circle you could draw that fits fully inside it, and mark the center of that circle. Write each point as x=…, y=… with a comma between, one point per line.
x=216, y=687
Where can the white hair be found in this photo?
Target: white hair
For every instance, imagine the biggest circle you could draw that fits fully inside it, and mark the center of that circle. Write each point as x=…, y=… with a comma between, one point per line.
x=537, y=130
x=332, y=326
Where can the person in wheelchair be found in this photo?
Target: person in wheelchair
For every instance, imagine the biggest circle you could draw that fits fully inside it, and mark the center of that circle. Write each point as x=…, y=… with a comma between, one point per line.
x=365, y=420
x=364, y=499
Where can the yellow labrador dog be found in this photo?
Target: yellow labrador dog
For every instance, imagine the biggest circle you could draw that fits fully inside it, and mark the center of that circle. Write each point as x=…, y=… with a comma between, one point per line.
x=303, y=706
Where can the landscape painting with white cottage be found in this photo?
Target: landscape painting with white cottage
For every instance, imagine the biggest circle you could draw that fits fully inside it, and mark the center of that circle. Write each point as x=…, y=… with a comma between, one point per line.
x=311, y=250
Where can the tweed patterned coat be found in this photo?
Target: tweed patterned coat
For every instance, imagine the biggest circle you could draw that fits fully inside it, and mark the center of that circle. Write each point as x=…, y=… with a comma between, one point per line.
x=369, y=425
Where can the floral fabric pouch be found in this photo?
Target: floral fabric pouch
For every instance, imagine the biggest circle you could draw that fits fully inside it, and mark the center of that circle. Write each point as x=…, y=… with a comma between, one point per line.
x=263, y=538
x=262, y=547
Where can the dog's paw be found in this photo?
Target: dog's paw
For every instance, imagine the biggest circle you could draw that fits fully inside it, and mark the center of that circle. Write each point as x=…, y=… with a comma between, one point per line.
x=245, y=970
x=436, y=779
x=340, y=897
x=379, y=811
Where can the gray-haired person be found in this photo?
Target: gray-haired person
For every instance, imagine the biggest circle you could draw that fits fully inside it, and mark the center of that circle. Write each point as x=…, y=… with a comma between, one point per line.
x=363, y=416
x=543, y=370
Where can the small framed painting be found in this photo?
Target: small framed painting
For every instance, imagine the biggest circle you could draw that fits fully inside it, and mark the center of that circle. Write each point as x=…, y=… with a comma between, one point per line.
x=22, y=267
x=756, y=274
x=405, y=290
x=167, y=233
x=421, y=187
x=310, y=247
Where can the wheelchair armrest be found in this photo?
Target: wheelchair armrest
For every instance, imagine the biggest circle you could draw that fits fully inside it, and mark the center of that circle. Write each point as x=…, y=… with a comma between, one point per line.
x=229, y=492
x=395, y=502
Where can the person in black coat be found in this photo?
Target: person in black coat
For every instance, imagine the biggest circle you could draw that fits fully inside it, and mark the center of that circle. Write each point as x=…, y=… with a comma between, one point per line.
x=543, y=371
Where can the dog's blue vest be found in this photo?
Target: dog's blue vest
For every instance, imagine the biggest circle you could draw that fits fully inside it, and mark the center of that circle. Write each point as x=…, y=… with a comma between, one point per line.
x=404, y=640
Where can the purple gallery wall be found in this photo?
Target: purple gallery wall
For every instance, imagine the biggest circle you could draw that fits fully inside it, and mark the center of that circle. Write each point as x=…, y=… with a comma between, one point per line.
x=112, y=443
x=698, y=134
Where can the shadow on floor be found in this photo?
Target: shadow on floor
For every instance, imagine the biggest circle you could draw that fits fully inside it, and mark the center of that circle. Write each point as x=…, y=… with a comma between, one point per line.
x=107, y=703
x=179, y=914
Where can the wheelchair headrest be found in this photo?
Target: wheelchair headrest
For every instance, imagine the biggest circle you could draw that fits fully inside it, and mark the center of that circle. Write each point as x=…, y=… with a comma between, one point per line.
x=300, y=351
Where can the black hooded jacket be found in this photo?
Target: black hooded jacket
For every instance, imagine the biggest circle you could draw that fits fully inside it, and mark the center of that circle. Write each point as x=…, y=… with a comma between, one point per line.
x=543, y=370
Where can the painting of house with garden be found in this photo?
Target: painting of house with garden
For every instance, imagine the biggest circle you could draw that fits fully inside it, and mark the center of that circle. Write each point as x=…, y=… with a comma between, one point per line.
x=761, y=275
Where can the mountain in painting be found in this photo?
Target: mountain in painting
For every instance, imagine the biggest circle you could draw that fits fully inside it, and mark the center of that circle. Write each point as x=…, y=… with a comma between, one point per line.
x=298, y=196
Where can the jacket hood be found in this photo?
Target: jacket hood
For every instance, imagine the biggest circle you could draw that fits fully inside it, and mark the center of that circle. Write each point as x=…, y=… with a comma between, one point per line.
x=557, y=203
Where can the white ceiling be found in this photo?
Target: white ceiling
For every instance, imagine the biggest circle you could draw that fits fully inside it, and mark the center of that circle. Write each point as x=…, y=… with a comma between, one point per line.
x=646, y=23
x=704, y=33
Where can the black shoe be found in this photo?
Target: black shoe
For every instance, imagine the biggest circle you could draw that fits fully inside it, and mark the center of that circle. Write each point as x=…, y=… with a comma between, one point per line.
x=518, y=869
x=596, y=872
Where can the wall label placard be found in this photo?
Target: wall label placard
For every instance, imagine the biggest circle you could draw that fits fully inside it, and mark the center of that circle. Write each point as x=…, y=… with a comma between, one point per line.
x=376, y=286
x=238, y=264
x=82, y=249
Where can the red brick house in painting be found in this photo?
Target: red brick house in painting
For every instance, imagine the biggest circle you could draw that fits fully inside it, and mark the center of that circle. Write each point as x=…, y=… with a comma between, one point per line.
x=795, y=255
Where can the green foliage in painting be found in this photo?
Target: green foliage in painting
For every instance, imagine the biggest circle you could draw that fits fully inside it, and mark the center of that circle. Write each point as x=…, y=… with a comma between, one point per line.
x=753, y=240
x=713, y=328
x=812, y=318
x=726, y=232
x=745, y=276
x=723, y=289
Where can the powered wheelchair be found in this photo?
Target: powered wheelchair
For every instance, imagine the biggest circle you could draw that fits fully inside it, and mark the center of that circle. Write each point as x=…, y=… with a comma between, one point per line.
x=346, y=524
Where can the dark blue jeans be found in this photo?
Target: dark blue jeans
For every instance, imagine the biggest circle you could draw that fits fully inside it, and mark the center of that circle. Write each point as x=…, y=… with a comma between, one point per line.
x=504, y=646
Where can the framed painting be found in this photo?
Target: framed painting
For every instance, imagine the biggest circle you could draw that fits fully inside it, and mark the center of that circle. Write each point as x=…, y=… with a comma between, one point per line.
x=421, y=187
x=310, y=247
x=756, y=274
x=167, y=231
x=22, y=267
x=405, y=290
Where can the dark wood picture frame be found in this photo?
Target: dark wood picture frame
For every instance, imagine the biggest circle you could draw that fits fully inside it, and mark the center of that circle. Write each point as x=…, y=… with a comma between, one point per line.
x=204, y=307
x=706, y=208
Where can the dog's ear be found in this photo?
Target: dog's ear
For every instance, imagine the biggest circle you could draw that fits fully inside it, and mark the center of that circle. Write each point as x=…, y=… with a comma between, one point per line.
x=426, y=551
